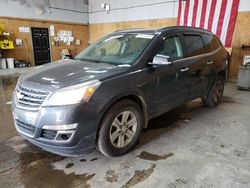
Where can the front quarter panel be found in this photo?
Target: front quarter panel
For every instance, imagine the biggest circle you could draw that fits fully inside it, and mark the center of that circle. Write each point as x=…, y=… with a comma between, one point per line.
x=132, y=83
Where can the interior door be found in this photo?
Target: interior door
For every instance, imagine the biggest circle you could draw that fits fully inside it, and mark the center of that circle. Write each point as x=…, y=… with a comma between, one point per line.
x=41, y=46
x=171, y=86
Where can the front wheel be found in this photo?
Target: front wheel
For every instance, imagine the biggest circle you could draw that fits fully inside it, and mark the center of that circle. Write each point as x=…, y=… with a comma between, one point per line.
x=216, y=92
x=120, y=129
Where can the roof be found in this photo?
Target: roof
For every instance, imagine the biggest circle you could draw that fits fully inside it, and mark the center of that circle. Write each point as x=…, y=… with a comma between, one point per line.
x=164, y=29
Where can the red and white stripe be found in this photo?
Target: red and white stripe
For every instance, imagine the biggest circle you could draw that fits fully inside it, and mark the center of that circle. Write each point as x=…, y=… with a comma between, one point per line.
x=218, y=16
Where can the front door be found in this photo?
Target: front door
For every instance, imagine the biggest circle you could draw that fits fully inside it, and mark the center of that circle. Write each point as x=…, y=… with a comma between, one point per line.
x=171, y=86
x=41, y=46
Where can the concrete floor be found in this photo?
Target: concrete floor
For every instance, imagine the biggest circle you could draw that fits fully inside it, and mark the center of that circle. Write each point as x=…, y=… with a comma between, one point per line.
x=192, y=146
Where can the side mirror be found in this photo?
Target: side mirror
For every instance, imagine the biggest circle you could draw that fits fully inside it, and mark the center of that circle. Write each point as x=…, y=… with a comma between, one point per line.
x=161, y=60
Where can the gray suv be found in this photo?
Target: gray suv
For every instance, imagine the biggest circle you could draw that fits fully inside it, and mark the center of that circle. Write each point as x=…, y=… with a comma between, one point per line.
x=104, y=97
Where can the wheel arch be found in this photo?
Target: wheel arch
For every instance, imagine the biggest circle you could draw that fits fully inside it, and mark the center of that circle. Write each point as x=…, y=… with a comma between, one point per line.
x=133, y=97
x=222, y=73
x=142, y=104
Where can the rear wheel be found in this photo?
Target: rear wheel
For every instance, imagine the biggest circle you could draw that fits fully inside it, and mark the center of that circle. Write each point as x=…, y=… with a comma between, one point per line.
x=120, y=128
x=216, y=92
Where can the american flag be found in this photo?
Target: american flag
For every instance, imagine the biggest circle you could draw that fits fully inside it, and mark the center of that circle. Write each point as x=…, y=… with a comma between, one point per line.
x=218, y=16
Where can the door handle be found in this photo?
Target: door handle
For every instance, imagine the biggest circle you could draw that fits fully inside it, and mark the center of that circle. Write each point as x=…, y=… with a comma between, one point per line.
x=210, y=62
x=185, y=69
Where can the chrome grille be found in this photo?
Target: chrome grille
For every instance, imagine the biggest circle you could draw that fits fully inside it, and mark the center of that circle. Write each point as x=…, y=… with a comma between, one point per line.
x=30, y=98
x=25, y=127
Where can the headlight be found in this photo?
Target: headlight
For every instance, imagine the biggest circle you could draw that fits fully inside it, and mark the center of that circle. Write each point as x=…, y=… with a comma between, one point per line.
x=61, y=127
x=73, y=94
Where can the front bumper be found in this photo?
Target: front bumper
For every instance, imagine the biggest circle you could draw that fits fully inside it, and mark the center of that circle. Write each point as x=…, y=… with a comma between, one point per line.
x=30, y=125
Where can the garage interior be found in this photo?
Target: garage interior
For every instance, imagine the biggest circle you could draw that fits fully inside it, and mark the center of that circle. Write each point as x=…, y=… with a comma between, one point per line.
x=190, y=146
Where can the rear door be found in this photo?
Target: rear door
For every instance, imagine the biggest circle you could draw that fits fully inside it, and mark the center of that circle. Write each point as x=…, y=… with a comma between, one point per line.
x=171, y=81
x=212, y=45
x=195, y=56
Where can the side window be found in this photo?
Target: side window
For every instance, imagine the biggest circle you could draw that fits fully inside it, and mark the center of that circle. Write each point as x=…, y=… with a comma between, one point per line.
x=193, y=45
x=211, y=42
x=171, y=47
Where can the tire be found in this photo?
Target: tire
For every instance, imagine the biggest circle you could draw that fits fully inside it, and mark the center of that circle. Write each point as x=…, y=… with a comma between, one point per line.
x=215, y=94
x=115, y=138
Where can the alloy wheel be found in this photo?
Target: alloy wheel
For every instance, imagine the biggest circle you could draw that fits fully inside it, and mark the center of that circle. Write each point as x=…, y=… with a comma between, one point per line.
x=218, y=89
x=123, y=129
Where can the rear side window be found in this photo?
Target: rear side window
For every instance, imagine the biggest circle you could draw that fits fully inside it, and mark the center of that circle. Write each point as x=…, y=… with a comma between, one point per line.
x=193, y=45
x=211, y=42
x=171, y=47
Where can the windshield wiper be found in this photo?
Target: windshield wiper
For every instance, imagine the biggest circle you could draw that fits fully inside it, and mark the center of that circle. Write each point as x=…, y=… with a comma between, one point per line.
x=84, y=59
x=95, y=61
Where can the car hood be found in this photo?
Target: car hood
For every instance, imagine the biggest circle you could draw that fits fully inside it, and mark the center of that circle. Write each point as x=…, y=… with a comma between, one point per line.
x=69, y=72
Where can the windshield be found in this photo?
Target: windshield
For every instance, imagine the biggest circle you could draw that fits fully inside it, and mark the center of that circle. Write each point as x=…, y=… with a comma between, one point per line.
x=116, y=49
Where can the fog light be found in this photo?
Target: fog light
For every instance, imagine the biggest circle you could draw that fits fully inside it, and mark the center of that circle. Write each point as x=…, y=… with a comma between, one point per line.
x=65, y=136
x=61, y=127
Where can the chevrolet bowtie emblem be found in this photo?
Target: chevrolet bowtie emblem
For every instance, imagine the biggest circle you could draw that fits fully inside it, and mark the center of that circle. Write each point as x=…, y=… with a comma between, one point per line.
x=19, y=96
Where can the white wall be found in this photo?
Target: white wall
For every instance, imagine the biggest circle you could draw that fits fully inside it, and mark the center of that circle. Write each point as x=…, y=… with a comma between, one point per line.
x=244, y=5
x=77, y=10
x=62, y=10
x=124, y=10
x=132, y=10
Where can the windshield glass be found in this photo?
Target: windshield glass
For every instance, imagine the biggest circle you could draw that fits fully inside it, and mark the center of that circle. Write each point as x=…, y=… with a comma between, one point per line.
x=116, y=49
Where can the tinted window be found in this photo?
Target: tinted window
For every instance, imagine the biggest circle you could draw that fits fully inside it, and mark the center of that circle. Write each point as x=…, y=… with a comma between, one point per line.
x=211, y=42
x=193, y=45
x=171, y=47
